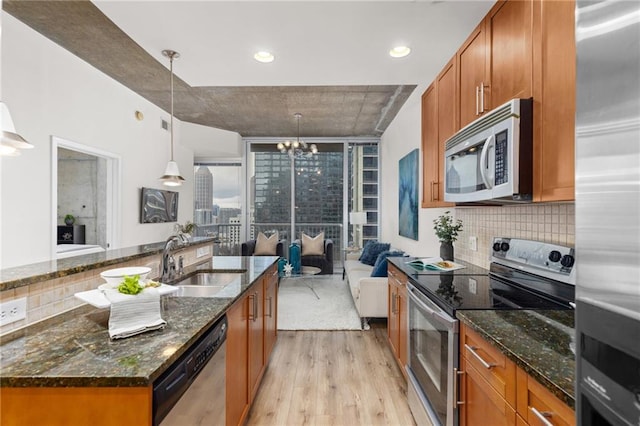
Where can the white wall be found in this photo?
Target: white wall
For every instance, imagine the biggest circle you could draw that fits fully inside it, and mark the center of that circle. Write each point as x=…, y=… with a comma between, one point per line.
x=400, y=138
x=52, y=92
x=209, y=142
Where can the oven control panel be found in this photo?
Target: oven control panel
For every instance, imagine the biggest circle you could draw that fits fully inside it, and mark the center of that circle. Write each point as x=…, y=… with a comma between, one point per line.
x=556, y=260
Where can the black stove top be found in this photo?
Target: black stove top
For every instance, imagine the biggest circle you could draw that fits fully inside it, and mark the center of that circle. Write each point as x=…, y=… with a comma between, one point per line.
x=515, y=283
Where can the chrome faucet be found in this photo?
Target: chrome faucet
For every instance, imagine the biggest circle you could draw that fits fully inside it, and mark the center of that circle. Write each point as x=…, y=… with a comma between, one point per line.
x=168, y=265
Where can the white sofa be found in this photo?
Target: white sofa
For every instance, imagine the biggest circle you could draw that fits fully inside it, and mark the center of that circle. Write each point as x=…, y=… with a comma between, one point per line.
x=370, y=294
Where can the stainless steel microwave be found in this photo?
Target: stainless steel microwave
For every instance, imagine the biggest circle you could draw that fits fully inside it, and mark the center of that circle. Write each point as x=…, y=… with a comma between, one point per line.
x=491, y=159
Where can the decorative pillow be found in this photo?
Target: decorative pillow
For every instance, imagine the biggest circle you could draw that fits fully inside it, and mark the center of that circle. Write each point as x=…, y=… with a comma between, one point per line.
x=364, y=249
x=380, y=267
x=266, y=246
x=371, y=252
x=313, y=245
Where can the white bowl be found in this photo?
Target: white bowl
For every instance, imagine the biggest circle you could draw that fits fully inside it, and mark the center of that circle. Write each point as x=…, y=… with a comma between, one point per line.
x=115, y=276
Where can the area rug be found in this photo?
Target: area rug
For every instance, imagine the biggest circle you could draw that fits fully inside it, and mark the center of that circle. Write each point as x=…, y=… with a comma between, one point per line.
x=316, y=303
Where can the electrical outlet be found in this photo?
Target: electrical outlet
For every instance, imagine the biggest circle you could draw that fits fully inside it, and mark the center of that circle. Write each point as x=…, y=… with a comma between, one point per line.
x=13, y=310
x=202, y=251
x=473, y=286
x=473, y=243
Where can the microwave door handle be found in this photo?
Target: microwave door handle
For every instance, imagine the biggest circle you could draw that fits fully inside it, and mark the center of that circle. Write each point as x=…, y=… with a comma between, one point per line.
x=484, y=165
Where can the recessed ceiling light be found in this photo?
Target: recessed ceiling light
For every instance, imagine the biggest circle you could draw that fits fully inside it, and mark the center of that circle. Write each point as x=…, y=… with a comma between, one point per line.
x=264, y=57
x=399, y=51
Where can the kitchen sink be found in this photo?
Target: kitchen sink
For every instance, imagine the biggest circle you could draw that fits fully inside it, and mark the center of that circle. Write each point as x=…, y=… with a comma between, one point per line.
x=210, y=284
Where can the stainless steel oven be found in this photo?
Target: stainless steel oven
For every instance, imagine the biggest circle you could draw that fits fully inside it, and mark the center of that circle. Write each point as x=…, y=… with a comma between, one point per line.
x=523, y=275
x=433, y=356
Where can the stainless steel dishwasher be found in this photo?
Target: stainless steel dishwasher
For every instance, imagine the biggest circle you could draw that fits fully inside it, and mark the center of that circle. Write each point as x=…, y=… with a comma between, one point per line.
x=192, y=390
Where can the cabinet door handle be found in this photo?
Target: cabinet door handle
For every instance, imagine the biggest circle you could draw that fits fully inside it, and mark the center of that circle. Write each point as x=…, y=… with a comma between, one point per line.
x=542, y=416
x=270, y=309
x=434, y=194
x=481, y=97
x=484, y=363
x=393, y=303
x=477, y=101
x=251, y=308
x=456, y=402
x=255, y=307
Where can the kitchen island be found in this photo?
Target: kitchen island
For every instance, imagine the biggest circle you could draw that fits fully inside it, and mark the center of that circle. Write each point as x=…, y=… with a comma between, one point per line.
x=67, y=365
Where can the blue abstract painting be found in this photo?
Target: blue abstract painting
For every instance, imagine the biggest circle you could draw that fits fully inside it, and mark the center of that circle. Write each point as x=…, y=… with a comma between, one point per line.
x=408, y=195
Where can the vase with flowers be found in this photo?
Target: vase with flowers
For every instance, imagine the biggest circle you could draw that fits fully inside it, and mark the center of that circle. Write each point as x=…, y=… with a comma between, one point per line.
x=447, y=229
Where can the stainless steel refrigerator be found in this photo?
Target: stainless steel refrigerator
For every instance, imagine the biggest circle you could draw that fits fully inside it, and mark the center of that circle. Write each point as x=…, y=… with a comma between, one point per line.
x=608, y=212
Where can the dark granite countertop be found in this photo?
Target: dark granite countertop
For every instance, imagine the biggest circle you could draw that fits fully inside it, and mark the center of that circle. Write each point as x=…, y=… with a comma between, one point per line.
x=27, y=274
x=74, y=349
x=539, y=342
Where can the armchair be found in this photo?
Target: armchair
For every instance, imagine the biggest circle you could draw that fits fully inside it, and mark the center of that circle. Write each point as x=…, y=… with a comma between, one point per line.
x=249, y=247
x=324, y=261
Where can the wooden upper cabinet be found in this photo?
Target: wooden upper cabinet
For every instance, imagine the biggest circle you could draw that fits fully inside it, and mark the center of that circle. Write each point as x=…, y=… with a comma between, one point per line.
x=473, y=76
x=438, y=124
x=495, y=62
x=430, y=167
x=510, y=29
x=554, y=95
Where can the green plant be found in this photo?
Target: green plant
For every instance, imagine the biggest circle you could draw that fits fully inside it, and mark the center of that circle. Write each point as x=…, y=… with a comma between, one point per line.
x=187, y=228
x=446, y=228
x=69, y=218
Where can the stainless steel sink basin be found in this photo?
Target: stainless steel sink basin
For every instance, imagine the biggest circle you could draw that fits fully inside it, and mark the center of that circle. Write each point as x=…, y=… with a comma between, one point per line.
x=210, y=279
x=210, y=284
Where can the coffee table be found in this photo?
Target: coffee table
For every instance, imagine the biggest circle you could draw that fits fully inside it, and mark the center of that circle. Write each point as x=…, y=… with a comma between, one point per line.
x=305, y=271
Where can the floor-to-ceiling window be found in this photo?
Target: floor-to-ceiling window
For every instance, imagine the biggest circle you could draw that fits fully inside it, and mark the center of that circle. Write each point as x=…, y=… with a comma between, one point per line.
x=312, y=194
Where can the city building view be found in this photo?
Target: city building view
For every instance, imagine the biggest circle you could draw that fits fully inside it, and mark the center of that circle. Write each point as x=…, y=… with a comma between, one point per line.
x=317, y=205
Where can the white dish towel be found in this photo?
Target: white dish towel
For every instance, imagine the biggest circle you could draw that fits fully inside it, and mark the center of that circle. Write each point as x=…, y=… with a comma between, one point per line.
x=134, y=314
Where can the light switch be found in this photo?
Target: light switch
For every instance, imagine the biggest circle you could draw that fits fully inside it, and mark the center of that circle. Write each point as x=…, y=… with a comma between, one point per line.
x=473, y=243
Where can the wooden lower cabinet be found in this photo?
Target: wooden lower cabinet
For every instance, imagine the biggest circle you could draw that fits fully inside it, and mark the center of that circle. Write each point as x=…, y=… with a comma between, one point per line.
x=250, y=340
x=270, y=313
x=237, y=379
x=397, y=319
x=494, y=393
x=536, y=404
x=76, y=406
x=481, y=403
x=256, y=338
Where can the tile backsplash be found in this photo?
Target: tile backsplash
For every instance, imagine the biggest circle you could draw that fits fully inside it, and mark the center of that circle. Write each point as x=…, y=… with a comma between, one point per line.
x=552, y=223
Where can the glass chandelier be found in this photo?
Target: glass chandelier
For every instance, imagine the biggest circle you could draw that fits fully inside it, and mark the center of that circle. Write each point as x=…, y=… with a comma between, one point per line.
x=297, y=148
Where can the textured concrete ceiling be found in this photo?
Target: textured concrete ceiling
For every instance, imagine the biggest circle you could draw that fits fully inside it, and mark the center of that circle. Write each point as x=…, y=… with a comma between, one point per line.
x=331, y=56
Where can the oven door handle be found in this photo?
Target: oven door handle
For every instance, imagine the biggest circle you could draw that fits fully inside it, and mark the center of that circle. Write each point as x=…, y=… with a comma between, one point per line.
x=438, y=316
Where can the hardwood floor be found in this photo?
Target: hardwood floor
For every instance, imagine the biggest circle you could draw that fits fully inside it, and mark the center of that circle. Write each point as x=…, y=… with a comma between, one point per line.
x=332, y=378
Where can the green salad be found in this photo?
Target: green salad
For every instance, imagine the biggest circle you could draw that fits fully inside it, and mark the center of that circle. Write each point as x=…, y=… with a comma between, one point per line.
x=131, y=285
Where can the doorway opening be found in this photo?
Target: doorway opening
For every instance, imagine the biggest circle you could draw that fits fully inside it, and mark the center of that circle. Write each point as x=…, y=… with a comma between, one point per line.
x=85, y=197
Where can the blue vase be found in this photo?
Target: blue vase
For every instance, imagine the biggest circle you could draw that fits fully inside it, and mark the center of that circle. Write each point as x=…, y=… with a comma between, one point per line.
x=281, y=262
x=294, y=258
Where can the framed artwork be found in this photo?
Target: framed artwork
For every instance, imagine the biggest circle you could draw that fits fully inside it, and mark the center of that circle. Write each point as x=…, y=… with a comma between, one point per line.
x=408, y=195
x=158, y=205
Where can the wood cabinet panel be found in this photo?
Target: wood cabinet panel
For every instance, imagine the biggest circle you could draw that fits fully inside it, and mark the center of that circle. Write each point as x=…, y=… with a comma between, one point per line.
x=76, y=406
x=510, y=25
x=501, y=374
x=439, y=121
x=256, y=338
x=482, y=404
x=397, y=319
x=270, y=312
x=237, y=379
x=554, y=93
x=473, y=76
x=430, y=160
x=536, y=404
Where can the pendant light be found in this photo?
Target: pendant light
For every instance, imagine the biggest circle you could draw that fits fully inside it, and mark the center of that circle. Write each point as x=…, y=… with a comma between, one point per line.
x=10, y=141
x=171, y=174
